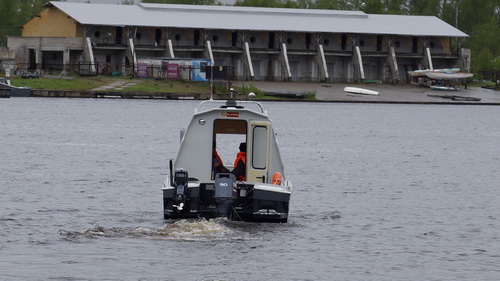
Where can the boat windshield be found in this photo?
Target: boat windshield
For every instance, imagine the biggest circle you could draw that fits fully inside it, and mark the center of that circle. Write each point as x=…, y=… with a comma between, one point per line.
x=210, y=104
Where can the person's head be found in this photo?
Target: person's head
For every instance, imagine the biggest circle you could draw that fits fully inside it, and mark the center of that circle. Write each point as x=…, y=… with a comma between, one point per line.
x=243, y=147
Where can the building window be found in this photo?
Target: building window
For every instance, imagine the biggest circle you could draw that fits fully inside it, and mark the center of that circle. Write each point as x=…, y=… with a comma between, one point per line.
x=196, y=38
x=215, y=38
x=97, y=34
x=379, y=43
x=138, y=36
x=252, y=40
x=178, y=37
x=362, y=43
x=234, y=38
x=289, y=41
x=326, y=42
x=271, y=40
x=432, y=45
x=397, y=44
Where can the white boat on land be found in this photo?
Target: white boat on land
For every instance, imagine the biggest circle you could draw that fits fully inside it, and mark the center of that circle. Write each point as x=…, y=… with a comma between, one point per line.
x=423, y=72
x=444, y=88
x=197, y=186
x=356, y=90
x=448, y=75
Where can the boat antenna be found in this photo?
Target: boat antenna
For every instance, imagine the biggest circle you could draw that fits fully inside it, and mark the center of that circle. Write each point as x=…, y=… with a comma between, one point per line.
x=211, y=80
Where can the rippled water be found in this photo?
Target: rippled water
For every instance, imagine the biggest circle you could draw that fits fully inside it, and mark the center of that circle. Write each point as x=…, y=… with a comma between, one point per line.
x=381, y=192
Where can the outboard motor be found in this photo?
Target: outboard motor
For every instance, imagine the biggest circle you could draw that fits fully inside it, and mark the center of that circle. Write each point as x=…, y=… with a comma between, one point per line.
x=225, y=192
x=180, y=184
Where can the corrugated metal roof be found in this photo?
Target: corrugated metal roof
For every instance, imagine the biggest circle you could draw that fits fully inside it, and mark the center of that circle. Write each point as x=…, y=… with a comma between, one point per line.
x=258, y=19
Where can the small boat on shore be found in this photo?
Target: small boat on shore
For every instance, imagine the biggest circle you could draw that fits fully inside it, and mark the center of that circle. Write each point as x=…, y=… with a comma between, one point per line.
x=200, y=185
x=356, y=90
x=424, y=72
x=9, y=90
x=449, y=75
x=444, y=88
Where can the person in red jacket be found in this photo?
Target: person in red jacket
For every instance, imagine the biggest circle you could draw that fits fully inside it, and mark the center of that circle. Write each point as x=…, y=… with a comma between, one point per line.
x=218, y=166
x=240, y=163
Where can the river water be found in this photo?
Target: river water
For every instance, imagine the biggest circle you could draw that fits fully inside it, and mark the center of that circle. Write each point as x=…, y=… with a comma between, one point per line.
x=381, y=192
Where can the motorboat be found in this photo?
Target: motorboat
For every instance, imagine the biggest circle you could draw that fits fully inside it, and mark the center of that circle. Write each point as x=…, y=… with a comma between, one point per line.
x=197, y=186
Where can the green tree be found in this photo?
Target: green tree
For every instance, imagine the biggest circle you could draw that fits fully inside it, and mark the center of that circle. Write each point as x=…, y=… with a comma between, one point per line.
x=424, y=7
x=373, y=7
x=396, y=7
x=8, y=22
x=471, y=13
x=484, y=42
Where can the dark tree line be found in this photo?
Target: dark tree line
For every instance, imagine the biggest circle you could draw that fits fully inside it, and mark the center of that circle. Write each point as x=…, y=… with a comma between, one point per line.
x=480, y=19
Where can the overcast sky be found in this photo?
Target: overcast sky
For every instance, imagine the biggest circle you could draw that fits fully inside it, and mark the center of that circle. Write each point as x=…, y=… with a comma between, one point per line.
x=120, y=1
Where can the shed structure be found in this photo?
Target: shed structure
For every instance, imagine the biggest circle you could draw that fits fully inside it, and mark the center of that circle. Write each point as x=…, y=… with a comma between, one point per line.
x=273, y=44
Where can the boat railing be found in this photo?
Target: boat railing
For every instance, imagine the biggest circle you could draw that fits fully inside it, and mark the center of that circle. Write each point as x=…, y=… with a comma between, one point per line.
x=210, y=104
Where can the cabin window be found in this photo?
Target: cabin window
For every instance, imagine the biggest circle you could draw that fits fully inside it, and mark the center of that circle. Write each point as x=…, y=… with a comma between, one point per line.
x=343, y=42
x=414, y=48
x=259, y=147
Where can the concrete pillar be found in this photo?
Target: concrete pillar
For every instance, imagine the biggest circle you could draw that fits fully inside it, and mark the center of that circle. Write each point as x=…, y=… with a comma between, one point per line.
x=465, y=59
x=208, y=52
x=248, y=60
x=321, y=61
x=169, y=49
x=393, y=65
x=285, y=63
x=66, y=60
x=428, y=59
x=358, y=64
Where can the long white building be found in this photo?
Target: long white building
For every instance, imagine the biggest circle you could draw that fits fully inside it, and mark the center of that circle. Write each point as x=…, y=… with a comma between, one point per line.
x=271, y=44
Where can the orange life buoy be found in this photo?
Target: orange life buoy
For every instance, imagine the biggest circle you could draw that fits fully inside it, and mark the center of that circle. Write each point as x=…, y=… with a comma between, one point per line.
x=277, y=178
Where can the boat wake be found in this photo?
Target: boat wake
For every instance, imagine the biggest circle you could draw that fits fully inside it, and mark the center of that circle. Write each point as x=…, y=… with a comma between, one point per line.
x=182, y=230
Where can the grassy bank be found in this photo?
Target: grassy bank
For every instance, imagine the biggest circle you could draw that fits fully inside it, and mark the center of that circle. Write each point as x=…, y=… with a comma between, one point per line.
x=90, y=83
x=141, y=86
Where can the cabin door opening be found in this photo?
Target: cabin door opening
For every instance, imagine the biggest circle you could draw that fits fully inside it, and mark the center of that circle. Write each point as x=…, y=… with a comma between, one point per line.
x=227, y=136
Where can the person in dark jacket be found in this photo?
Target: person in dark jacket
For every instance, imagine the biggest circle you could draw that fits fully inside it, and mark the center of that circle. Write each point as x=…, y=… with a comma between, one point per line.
x=218, y=166
x=240, y=163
